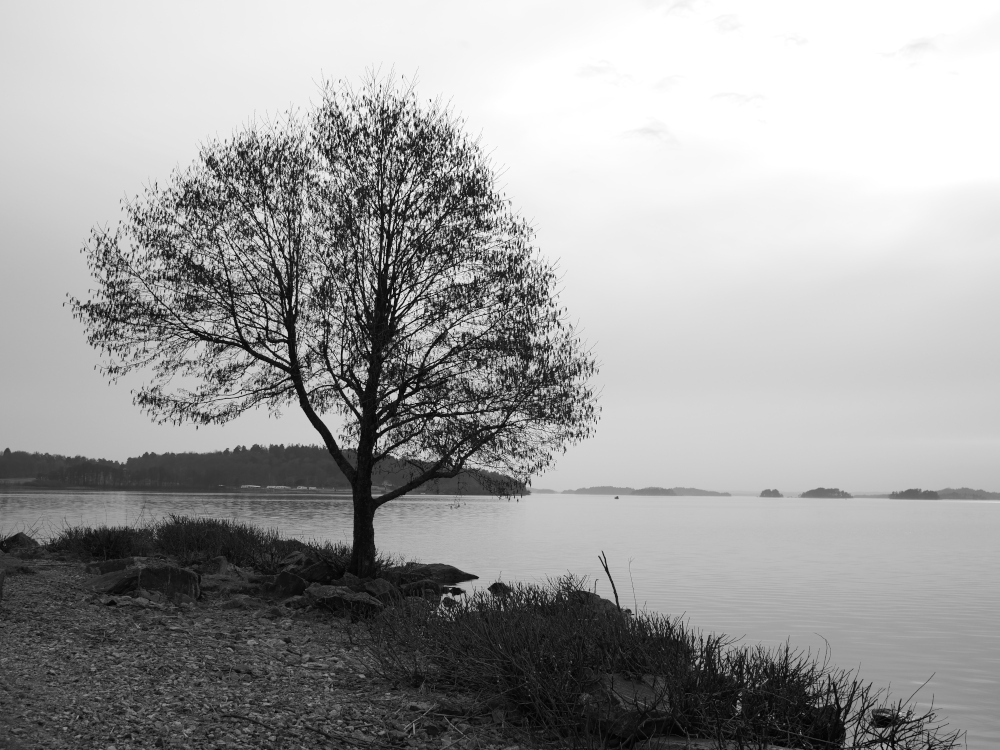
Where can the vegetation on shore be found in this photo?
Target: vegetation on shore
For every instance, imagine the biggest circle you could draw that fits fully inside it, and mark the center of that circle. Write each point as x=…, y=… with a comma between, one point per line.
x=599, y=676
x=191, y=540
x=826, y=492
x=257, y=466
x=915, y=494
x=612, y=490
x=567, y=666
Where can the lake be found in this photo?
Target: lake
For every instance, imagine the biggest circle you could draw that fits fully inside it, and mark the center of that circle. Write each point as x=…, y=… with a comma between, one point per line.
x=901, y=590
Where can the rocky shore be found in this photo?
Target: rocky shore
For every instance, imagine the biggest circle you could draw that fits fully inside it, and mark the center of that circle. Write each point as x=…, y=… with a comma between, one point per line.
x=146, y=652
x=234, y=667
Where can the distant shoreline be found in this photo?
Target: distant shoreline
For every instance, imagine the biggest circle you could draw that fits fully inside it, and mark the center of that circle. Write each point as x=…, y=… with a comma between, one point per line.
x=7, y=485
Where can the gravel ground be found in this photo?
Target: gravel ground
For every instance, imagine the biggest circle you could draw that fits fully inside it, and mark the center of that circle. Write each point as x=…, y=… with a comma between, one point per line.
x=79, y=670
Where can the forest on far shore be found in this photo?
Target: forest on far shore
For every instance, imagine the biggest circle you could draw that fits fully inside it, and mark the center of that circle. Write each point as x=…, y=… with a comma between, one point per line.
x=276, y=466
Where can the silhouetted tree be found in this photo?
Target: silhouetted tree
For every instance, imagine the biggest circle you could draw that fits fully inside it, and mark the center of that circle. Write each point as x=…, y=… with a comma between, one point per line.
x=362, y=265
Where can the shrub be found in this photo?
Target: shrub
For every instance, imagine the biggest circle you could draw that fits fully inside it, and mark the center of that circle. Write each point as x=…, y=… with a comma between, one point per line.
x=193, y=539
x=105, y=542
x=543, y=654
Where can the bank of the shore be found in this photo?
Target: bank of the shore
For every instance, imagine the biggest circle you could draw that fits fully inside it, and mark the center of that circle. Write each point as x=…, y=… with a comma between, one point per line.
x=77, y=671
x=147, y=636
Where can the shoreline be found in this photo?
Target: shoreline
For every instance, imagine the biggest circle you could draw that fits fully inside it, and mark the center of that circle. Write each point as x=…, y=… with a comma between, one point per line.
x=81, y=670
x=185, y=640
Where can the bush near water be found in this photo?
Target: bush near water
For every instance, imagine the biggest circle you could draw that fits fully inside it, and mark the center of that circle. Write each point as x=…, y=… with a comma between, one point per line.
x=562, y=664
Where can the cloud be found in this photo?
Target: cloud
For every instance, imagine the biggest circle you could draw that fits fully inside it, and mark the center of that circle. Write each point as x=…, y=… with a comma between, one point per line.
x=917, y=50
x=740, y=100
x=727, y=23
x=667, y=83
x=655, y=130
x=604, y=71
x=674, y=6
x=794, y=40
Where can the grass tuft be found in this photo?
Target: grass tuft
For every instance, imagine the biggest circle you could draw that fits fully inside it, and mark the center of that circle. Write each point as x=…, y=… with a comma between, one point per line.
x=191, y=540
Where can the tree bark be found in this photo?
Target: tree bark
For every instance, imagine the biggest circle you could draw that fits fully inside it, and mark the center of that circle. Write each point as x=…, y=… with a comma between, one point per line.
x=363, y=552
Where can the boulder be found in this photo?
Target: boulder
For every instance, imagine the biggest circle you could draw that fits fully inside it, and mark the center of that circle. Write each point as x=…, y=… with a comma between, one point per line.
x=341, y=598
x=319, y=572
x=109, y=566
x=216, y=566
x=153, y=596
x=437, y=572
x=590, y=599
x=423, y=588
x=383, y=590
x=170, y=580
x=288, y=584
x=627, y=709
x=167, y=579
x=352, y=582
x=298, y=561
x=20, y=540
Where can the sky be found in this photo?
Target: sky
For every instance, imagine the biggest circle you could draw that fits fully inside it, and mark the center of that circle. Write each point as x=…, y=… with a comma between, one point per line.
x=777, y=223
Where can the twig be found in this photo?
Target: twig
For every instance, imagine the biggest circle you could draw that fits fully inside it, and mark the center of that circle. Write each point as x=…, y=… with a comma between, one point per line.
x=604, y=564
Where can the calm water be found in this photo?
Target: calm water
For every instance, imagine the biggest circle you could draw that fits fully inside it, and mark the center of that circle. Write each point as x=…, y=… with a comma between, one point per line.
x=900, y=589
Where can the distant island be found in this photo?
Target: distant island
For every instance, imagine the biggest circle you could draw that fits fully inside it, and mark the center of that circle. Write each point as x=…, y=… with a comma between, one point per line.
x=915, y=495
x=274, y=467
x=824, y=492
x=771, y=493
x=647, y=491
x=964, y=493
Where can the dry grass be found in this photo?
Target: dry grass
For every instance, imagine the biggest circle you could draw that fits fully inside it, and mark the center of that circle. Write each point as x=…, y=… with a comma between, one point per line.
x=538, y=654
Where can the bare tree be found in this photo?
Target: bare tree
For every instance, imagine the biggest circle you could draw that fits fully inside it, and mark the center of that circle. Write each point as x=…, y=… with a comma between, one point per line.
x=362, y=264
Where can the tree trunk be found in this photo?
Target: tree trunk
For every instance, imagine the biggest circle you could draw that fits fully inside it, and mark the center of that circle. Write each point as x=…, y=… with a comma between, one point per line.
x=363, y=551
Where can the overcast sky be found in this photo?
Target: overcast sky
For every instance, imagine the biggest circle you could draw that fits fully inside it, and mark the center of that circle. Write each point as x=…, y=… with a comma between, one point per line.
x=778, y=223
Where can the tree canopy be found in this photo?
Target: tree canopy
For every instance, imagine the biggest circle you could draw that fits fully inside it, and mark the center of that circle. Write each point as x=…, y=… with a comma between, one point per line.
x=362, y=264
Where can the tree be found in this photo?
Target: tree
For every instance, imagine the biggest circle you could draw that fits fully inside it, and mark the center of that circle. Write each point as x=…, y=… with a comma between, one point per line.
x=362, y=264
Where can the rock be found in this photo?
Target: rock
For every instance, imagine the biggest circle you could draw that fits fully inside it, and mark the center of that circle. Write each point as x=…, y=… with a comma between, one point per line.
x=421, y=588
x=341, y=598
x=437, y=572
x=3, y=577
x=629, y=709
x=171, y=580
x=216, y=566
x=590, y=599
x=383, y=590
x=20, y=540
x=886, y=718
x=153, y=596
x=164, y=578
x=288, y=584
x=499, y=589
x=298, y=561
x=240, y=601
x=351, y=581
x=293, y=558
x=109, y=566
x=319, y=572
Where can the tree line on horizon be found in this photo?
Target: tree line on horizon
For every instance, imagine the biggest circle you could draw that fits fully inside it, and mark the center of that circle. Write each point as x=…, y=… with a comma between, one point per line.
x=273, y=465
